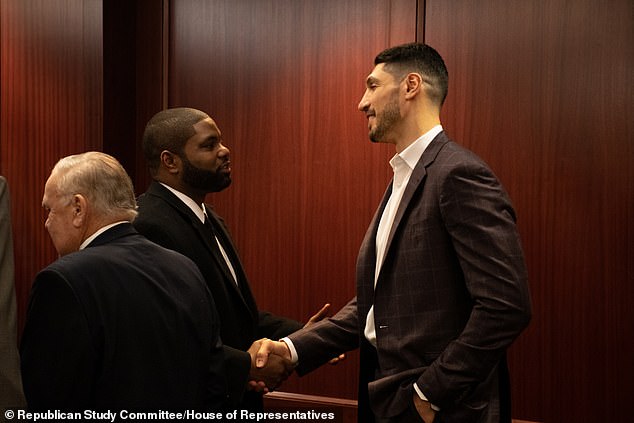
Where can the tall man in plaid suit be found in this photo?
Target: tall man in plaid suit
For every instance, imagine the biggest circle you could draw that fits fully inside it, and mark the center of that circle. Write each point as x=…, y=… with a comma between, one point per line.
x=441, y=279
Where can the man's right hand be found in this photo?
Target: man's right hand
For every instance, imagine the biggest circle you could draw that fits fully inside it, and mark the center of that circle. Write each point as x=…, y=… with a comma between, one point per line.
x=270, y=365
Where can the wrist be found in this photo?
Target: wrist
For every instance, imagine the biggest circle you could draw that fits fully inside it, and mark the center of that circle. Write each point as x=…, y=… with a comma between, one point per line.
x=422, y=396
x=290, y=350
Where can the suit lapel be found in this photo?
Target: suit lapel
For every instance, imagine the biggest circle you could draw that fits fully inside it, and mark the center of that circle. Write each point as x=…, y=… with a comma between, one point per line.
x=366, y=261
x=416, y=181
x=202, y=233
x=229, y=248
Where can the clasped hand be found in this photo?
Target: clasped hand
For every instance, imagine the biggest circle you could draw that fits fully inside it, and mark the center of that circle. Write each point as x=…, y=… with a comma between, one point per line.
x=271, y=360
x=266, y=375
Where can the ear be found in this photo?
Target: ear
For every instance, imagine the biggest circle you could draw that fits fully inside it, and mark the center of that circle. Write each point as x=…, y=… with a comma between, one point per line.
x=80, y=207
x=170, y=161
x=413, y=85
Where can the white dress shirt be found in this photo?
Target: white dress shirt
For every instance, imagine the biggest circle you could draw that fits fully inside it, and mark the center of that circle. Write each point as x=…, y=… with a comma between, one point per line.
x=403, y=165
x=200, y=212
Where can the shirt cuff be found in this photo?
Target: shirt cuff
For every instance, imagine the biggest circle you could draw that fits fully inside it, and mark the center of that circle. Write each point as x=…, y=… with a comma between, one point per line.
x=291, y=348
x=424, y=398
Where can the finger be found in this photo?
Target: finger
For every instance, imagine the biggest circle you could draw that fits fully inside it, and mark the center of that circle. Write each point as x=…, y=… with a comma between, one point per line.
x=336, y=360
x=262, y=356
x=289, y=367
x=261, y=387
x=255, y=346
x=320, y=314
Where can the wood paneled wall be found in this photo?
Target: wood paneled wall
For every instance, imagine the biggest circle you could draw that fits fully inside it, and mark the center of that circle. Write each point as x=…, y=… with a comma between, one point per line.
x=283, y=79
x=135, y=53
x=541, y=90
x=50, y=106
x=544, y=91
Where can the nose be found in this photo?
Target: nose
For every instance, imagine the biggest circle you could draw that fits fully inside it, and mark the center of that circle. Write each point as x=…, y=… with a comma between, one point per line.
x=224, y=150
x=364, y=104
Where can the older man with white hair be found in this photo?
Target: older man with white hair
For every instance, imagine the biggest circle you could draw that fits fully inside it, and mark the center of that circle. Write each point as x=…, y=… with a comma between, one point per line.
x=117, y=322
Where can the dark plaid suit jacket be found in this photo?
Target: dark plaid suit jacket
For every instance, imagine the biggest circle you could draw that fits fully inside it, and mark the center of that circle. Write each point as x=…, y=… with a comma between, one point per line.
x=450, y=298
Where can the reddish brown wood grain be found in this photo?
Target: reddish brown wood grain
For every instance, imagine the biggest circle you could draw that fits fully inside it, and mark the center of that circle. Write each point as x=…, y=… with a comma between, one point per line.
x=283, y=80
x=51, y=106
x=544, y=92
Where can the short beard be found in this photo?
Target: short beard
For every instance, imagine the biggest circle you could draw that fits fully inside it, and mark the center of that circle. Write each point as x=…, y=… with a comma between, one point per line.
x=385, y=122
x=204, y=180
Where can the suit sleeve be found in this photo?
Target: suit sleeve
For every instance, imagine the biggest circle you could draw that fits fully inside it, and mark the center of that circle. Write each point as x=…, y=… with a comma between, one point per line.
x=58, y=356
x=481, y=222
x=237, y=365
x=327, y=338
x=275, y=327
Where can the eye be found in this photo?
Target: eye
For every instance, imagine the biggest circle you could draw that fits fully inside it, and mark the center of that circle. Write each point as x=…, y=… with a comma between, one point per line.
x=211, y=144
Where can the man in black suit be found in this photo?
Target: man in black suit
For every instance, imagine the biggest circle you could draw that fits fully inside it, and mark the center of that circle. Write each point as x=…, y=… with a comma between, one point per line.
x=187, y=159
x=441, y=279
x=117, y=322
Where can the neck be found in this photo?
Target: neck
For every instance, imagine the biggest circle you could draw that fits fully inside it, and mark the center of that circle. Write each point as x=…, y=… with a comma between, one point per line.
x=96, y=224
x=418, y=118
x=196, y=195
x=413, y=133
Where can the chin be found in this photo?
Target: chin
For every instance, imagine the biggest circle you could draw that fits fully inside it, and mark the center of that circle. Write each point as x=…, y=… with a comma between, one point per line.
x=375, y=139
x=222, y=186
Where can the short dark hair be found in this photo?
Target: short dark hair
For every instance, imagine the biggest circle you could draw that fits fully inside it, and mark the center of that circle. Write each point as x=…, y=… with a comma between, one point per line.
x=169, y=130
x=421, y=58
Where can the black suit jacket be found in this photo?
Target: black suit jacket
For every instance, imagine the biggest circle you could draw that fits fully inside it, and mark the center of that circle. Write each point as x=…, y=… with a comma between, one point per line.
x=122, y=324
x=450, y=298
x=166, y=220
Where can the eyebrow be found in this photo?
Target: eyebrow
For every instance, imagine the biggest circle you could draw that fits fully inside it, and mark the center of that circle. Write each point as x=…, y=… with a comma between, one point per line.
x=371, y=80
x=213, y=138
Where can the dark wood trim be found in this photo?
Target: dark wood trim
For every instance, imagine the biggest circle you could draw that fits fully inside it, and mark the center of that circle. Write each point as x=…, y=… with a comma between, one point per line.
x=343, y=408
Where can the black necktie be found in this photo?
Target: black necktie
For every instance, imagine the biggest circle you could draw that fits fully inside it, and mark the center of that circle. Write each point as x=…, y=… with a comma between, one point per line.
x=222, y=254
x=209, y=226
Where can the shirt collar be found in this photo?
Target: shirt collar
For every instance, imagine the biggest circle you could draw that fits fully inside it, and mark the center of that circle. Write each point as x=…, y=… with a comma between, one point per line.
x=198, y=209
x=92, y=237
x=412, y=154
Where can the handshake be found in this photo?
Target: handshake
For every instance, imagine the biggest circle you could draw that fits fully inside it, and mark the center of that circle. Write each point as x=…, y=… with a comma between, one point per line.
x=271, y=362
x=270, y=365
